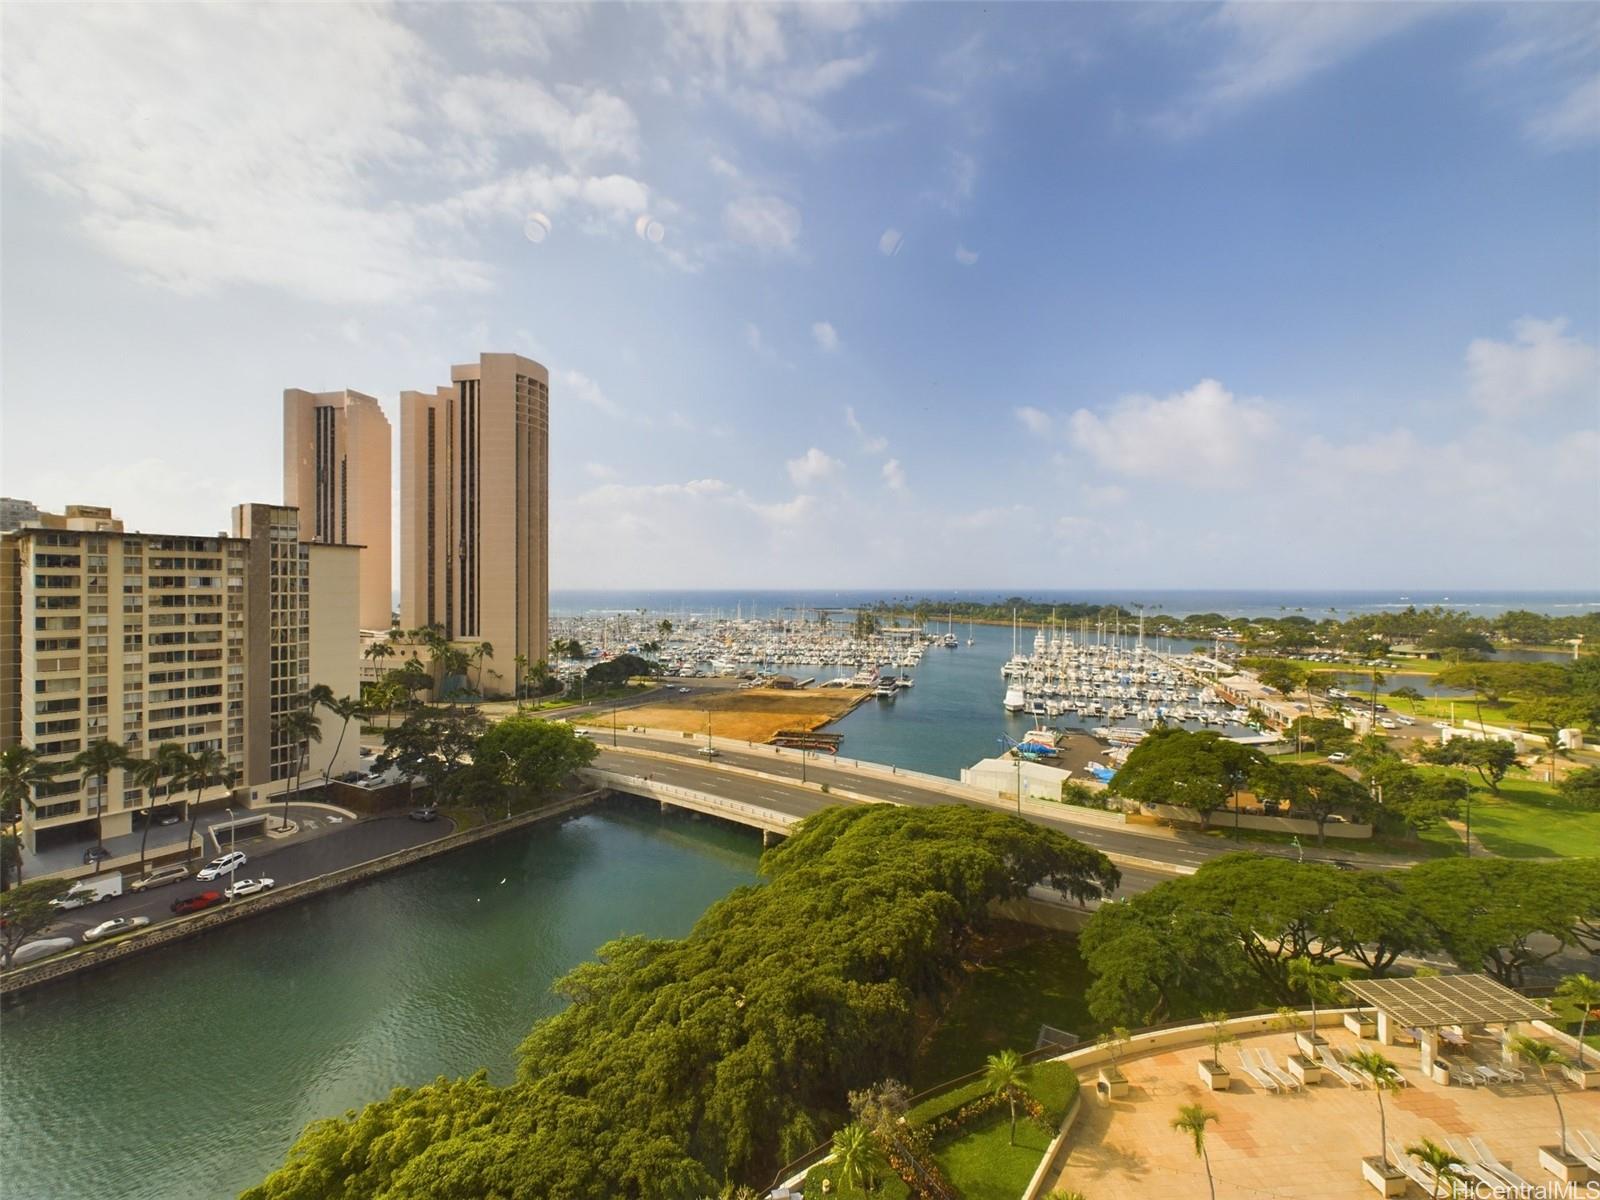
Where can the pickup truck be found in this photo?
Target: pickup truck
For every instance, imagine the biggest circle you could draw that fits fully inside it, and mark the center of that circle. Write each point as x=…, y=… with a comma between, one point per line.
x=90, y=891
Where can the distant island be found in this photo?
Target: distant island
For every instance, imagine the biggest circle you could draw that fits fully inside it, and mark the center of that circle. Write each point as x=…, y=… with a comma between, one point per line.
x=1434, y=631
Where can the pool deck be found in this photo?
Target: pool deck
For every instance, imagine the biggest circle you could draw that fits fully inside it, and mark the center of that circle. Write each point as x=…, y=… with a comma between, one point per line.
x=1305, y=1144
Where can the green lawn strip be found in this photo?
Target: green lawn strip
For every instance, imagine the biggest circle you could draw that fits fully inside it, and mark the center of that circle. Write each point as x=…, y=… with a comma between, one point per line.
x=1052, y=1084
x=1528, y=819
x=1429, y=845
x=890, y=1186
x=981, y=1162
x=1001, y=1006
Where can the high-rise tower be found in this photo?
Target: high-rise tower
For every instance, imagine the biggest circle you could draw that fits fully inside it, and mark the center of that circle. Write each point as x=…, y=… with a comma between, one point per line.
x=337, y=471
x=474, y=510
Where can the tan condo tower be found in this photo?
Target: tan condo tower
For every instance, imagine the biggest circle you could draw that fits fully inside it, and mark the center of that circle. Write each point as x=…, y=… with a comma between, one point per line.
x=337, y=472
x=474, y=510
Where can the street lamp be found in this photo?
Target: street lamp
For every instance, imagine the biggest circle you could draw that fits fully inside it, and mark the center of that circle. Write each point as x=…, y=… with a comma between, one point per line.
x=511, y=767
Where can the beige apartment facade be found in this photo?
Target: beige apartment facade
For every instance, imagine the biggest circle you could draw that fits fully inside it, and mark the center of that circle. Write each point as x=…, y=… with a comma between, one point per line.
x=474, y=510
x=145, y=639
x=338, y=471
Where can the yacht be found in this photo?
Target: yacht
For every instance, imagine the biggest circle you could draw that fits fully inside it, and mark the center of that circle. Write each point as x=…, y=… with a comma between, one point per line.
x=886, y=688
x=1013, y=702
x=1039, y=741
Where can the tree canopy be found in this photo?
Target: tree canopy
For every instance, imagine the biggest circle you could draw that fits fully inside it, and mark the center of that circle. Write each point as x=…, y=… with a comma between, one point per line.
x=679, y=1064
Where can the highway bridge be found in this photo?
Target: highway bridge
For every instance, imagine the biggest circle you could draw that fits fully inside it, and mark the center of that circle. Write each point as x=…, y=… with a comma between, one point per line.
x=770, y=789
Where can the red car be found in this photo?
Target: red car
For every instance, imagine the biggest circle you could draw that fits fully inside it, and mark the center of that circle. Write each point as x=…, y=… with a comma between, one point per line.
x=196, y=902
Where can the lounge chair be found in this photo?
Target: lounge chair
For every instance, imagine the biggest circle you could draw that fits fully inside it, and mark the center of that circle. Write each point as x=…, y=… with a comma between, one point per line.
x=1471, y=1165
x=1412, y=1169
x=1491, y=1074
x=1250, y=1069
x=1486, y=1156
x=1341, y=1072
x=1512, y=1074
x=1586, y=1146
x=1285, y=1080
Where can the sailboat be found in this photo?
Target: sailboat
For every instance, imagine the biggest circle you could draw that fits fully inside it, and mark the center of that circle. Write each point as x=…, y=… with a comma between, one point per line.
x=969, y=631
x=949, y=631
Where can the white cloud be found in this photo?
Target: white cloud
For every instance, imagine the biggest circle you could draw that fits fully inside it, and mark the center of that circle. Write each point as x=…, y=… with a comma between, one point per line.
x=869, y=443
x=599, y=471
x=966, y=257
x=588, y=391
x=1270, y=48
x=1035, y=420
x=890, y=241
x=894, y=475
x=1572, y=120
x=824, y=78
x=826, y=336
x=812, y=467
x=765, y=222
x=1542, y=364
x=185, y=149
x=1202, y=436
x=526, y=30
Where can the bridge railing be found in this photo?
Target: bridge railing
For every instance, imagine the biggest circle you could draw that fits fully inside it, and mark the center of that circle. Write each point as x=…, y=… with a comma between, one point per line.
x=657, y=788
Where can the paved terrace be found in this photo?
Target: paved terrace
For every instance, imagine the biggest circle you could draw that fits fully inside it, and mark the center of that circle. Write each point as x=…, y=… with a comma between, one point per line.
x=1306, y=1144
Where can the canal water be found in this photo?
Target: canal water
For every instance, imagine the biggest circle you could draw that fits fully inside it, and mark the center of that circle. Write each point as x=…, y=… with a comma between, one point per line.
x=187, y=1073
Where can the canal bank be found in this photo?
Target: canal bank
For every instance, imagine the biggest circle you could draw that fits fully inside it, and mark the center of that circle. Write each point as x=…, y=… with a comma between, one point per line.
x=96, y=956
x=187, y=1074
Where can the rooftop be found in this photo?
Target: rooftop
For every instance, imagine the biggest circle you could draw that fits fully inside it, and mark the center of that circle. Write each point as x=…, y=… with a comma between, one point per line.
x=1430, y=1002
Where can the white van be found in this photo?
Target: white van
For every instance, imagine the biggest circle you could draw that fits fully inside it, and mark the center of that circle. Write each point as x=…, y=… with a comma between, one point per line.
x=90, y=891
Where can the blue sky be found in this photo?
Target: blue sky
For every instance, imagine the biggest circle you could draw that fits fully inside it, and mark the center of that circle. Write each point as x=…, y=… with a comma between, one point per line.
x=912, y=296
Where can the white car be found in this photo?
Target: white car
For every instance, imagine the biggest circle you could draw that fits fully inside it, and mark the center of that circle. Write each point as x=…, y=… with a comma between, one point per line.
x=1338, y=756
x=115, y=926
x=226, y=865
x=247, y=887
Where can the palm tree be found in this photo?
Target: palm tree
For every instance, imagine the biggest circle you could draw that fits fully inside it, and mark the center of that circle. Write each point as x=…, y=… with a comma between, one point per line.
x=199, y=771
x=1378, y=680
x=1384, y=1078
x=520, y=666
x=856, y=1156
x=343, y=707
x=1005, y=1074
x=148, y=773
x=452, y=661
x=480, y=652
x=1583, y=994
x=1545, y=1058
x=1437, y=1159
x=1193, y=1119
x=379, y=650
x=21, y=771
x=1315, y=981
x=299, y=727
x=97, y=761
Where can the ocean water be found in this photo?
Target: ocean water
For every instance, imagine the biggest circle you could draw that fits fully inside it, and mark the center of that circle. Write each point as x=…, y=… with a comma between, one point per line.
x=1171, y=602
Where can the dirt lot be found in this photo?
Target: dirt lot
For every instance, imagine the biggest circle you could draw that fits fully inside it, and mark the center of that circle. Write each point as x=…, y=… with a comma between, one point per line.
x=751, y=716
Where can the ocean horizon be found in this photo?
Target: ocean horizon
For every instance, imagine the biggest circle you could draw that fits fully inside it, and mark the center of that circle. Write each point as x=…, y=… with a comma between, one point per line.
x=1176, y=602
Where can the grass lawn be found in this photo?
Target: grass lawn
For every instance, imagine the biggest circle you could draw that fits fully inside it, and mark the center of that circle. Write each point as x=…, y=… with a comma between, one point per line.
x=1001, y=1005
x=982, y=1163
x=1528, y=819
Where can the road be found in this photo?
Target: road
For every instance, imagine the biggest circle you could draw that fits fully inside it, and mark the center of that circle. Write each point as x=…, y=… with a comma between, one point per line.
x=687, y=768
x=342, y=846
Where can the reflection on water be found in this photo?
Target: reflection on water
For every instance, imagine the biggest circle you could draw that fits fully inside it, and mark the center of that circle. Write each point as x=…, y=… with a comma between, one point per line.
x=188, y=1072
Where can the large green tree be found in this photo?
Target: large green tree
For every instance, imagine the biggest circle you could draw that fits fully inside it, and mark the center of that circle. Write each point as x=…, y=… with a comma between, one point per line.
x=531, y=757
x=27, y=911
x=717, y=1056
x=1315, y=792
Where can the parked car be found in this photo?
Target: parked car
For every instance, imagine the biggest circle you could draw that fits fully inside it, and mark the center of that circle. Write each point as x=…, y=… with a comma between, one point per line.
x=424, y=814
x=160, y=877
x=197, y=902
x=1338, y=756
x=115, y=926
x=226, y=865
x=96, y=854
x=248, y=887
x=89, y=891
x=43, y=948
